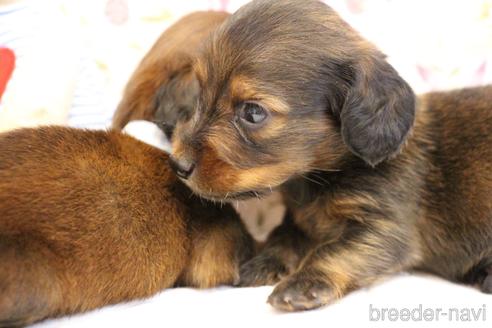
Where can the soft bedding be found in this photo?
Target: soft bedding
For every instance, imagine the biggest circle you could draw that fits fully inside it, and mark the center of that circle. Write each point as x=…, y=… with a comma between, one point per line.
x=423, y=296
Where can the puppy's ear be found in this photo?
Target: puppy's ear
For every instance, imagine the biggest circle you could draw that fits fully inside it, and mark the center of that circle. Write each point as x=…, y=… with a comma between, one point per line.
x=378, y=112
x=176, y=101
x=139, y=97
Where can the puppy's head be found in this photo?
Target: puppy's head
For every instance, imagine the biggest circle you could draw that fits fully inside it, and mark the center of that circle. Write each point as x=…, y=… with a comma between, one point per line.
x=287, y=87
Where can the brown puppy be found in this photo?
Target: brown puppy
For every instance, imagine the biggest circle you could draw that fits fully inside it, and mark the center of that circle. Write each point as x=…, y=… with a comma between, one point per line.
x=91, y=218
x=163, y=87
x=292, y=98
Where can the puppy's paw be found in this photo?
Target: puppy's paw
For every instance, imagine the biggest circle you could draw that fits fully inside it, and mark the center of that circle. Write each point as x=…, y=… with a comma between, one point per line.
x=262, y=270
x=300, y=293
x=486, y=285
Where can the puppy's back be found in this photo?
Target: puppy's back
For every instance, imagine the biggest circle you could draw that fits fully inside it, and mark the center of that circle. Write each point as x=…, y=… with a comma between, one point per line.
x=62, y=163
x=461, y=123
x=458, y=127
x=86, y=218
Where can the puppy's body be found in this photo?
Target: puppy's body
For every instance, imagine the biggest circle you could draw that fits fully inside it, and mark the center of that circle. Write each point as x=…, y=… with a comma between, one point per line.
x=456, y=220
x=163, y=87
x=435, y=195
x=94, y=218
x=375, y=180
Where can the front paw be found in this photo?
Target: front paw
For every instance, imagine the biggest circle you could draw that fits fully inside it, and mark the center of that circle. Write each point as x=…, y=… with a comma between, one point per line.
x=300, y=292
x=262, y=270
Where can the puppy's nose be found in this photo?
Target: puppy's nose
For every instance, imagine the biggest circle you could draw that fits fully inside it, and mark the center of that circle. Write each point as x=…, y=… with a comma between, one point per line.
x=182, y=167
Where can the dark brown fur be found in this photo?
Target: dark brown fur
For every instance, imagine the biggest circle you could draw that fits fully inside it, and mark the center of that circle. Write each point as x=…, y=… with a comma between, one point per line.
x=91, y=218
x=163, y=87
x=376, y=181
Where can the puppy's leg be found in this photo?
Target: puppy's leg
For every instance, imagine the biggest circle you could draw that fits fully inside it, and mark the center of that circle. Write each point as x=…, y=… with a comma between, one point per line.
x=486, y=285
x=280, y=256
x=220, y=244
x=365, y=253
x=481, y=275
x=29, y=287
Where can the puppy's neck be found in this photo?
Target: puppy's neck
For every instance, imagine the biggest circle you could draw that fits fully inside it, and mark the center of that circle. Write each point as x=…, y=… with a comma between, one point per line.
x=421, y=138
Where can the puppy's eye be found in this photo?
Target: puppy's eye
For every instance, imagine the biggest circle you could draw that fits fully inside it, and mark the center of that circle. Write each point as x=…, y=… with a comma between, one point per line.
x=252, y=114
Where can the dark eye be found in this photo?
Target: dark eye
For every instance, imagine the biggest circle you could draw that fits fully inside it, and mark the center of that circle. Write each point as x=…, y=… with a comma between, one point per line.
x=252, y=114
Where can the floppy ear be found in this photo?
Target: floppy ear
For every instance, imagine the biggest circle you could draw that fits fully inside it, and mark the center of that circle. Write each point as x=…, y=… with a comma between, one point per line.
x=378, y=112
x=176, y=101
x=138, y=102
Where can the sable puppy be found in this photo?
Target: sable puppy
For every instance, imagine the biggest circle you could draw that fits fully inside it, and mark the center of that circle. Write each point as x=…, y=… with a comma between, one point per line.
x=163, y=90
x=163, y=87
x=91, y=218
x=292, y=98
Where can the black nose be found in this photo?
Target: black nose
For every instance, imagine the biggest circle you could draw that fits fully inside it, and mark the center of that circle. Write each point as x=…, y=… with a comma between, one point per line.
x=182, y=167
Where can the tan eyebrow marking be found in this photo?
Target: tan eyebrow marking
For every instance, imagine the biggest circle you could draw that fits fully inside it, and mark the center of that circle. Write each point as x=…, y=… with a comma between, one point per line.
x=246, y=89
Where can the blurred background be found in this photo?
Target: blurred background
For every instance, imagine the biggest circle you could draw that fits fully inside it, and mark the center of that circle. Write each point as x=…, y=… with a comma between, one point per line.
x=66, y=62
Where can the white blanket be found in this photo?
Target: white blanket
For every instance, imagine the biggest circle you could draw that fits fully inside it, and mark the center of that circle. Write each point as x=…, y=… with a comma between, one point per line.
x=247, y=307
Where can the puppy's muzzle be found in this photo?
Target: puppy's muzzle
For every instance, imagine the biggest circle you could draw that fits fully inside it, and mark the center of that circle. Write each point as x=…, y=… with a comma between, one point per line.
x=182, y=167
